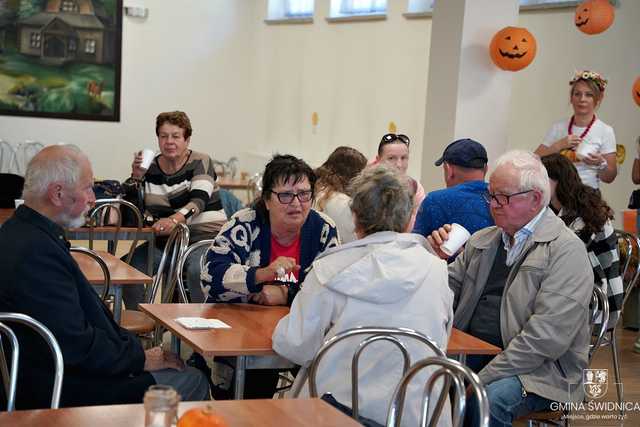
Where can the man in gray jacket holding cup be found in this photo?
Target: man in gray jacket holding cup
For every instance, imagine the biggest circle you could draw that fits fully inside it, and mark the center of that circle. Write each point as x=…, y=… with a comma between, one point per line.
x=525, y=286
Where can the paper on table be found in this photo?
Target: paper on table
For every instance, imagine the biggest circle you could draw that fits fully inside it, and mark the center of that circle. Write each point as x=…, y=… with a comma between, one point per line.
x=201, y=323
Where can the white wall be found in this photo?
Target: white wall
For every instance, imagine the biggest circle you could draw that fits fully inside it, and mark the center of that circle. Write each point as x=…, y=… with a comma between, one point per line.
x=193, y=58
x=251, y=88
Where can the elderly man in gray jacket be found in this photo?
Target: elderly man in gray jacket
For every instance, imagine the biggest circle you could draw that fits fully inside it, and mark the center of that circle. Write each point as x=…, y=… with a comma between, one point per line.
x=525, y=286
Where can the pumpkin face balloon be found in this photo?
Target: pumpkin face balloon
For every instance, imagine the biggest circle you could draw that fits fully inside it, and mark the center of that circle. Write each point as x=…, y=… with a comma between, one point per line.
x=513, y=48
x=594, y=16
x=636, y=91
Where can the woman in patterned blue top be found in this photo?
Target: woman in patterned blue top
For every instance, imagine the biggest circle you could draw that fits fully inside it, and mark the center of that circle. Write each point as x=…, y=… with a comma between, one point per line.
x=263, y=253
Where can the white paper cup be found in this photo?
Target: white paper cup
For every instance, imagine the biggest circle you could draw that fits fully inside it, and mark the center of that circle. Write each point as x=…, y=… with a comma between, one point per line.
x=147, y=158
x=458, y=236
x=18, y=202
x=584, y=149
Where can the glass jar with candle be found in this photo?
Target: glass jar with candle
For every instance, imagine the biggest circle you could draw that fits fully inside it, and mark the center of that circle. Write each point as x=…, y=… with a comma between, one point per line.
x=160, y=406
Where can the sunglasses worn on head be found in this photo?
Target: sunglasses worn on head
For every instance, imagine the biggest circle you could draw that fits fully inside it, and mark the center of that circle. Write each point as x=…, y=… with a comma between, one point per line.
x=287, y=197
x=392, y=137
x=502, y=199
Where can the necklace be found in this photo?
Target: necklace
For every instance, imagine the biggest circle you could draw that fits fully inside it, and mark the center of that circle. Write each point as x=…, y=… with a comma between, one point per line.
x=586, y=131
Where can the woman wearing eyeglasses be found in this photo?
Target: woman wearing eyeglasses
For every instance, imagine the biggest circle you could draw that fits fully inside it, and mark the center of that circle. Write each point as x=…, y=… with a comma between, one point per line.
x=393, y=150
x=584, y=138
x=262, y=254
x=585, y=212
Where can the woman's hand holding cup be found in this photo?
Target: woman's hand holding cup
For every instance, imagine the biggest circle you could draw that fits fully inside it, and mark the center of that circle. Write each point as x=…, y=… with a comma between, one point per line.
x=141, y=162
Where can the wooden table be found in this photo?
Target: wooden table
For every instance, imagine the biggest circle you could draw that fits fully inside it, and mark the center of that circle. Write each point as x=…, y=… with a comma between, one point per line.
x=247, y=413
x=238, y=184
x=124, y=233
x=122, y=274
x=249, y=339
x=5, y=214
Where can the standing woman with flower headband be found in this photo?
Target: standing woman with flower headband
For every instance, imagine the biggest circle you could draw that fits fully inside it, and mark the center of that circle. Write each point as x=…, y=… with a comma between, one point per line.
x=585, y=132
x=394, y=150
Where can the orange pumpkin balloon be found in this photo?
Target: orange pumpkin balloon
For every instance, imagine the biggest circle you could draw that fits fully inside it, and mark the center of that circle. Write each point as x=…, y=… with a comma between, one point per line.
x=513, y=48
x=636, y=91
x=594, y=16
x=201, y=417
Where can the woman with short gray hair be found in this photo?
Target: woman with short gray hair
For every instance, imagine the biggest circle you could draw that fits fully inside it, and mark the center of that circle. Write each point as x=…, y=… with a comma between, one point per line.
x=361, y=283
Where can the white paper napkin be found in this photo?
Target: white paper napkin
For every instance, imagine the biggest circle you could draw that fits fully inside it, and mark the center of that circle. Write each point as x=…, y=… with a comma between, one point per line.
x=201, y=323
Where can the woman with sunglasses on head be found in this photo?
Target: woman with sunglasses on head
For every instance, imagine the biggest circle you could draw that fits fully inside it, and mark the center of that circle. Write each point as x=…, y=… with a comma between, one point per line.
x=584, y=138
x=332, y=188
x=585, y=212
x=393, y=150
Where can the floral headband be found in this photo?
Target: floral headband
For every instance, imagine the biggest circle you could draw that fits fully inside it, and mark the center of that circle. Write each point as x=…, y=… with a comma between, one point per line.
x=590, y=75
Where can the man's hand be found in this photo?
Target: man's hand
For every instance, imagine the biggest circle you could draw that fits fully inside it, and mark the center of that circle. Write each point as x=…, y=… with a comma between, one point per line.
x=156, y=360
x=271, y=295
x=438, y=237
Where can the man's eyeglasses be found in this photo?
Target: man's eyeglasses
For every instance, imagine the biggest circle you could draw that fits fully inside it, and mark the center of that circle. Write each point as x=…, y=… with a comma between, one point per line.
x=501, y=199
x=392, y=137
x=287, y=198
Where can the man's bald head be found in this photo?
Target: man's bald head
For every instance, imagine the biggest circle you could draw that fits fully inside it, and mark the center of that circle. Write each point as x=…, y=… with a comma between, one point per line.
x=55, y=163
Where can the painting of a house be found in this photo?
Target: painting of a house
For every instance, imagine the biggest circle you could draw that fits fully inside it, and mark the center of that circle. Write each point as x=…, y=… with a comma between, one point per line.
x=62, y=58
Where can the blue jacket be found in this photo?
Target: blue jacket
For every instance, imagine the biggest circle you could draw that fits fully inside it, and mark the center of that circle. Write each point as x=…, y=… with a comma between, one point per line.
x=103, y=363
x=462, y=204
x=244, y=245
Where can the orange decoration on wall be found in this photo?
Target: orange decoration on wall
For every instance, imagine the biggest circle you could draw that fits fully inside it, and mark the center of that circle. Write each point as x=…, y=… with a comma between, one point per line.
x=635, y=90
x=594, y=16
x=392, y=127
x=513, y=48
x=314, y=119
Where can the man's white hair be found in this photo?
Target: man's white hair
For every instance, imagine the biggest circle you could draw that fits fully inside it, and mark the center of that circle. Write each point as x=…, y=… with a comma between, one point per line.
x=532, y=173
x=43, y=170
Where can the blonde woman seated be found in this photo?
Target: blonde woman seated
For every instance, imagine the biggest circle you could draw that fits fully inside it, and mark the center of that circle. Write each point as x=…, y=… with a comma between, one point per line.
x=387, y=278
x=332, y=196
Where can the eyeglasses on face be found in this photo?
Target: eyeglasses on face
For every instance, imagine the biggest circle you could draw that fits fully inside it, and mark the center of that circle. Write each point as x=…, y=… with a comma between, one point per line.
x=502, y=199
x=287, y=197
x=392, y=137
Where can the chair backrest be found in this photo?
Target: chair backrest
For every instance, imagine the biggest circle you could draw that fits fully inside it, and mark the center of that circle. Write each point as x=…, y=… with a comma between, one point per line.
x=101, y=213
x=23, y=154
x=181, y=264
x=598, y=319
x=103, y=266
x=373, y=334
x=167, y=274
x=11, y=186
x=453, y=372
x=7, y=154
x=629, y=248
x=11, y=384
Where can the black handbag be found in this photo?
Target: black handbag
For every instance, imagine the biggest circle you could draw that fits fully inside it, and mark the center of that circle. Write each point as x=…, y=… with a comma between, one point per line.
x=634, y=200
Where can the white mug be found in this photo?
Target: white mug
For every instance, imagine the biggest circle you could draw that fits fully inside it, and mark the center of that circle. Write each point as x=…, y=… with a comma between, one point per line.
x=458, y=236
x=147, y=158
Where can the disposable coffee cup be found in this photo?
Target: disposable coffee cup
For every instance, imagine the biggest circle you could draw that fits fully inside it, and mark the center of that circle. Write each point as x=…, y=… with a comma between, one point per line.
x=584, y=149
x=147, y=158
x=458, y=236
x=18, y=202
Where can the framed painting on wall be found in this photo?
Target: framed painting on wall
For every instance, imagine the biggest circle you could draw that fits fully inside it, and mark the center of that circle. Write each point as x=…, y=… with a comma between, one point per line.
x=61, y=58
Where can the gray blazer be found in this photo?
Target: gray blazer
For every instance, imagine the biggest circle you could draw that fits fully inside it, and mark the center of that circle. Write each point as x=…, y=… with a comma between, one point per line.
x=544, y=309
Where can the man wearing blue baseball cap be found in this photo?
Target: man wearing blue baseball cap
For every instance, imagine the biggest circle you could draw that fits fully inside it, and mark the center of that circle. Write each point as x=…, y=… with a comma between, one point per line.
x=464, y=163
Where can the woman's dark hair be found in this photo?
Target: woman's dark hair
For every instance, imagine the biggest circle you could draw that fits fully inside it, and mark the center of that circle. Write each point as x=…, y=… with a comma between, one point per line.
x=576, y=198
x=280, y=169
x=335, y=174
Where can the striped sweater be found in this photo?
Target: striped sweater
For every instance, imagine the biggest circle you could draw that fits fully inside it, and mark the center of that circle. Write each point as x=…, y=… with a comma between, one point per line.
x=192, y=188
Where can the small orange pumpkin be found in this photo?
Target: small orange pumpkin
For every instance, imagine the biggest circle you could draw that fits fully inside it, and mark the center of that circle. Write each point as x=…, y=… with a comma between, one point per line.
x=513, y=48
x=636, y=91
x=201, y=417
x=594, y=16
